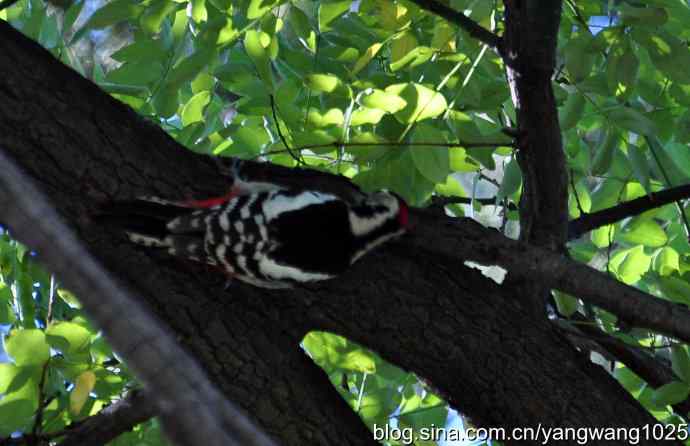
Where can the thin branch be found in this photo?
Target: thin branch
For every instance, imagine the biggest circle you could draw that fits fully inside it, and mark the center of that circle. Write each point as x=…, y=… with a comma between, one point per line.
x=588, y=222
x=473, y=28
x=683, y=217
x=41, y=400
x=134, y=408
x=338, y=144
x=465, y=144
x=577, y=197
x=280, y=132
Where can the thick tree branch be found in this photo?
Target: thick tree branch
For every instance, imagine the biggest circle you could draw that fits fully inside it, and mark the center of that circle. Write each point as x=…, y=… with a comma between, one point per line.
x=554, y=270
x=473, y=28
x=589, y=222
x=135, y=407
x=640, y=362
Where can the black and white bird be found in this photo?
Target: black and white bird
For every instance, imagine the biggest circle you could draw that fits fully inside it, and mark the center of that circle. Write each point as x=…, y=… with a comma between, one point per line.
x=267, y=235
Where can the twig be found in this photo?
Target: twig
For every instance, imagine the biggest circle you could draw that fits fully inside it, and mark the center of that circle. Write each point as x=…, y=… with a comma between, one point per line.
x=338, y=144
x=41, y=403
x=280, y=132
x=669, y=184
x=51, y=299
x=577, y=197
x=473, y=28
x=588, y=222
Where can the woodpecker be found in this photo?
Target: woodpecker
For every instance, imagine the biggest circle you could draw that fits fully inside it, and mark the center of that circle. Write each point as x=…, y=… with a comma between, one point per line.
x=267, y=235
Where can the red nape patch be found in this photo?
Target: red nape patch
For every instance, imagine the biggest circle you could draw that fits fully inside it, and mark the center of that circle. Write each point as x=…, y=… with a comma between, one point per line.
x=403, y=213
x=210, y=202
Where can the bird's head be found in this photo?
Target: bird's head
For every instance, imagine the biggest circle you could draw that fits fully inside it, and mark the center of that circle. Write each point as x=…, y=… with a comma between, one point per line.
x=381, y=212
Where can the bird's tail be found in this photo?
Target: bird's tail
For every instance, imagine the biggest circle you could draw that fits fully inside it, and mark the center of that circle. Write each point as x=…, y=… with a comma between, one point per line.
x=156, y=223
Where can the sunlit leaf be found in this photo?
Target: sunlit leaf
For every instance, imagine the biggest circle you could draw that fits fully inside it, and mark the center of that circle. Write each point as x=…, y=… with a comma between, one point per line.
x=80, y=393
x=422, y=102
x=27, y=347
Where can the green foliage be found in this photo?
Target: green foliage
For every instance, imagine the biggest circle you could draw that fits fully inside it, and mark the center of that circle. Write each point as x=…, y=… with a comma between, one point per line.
x=52, y=351
x=387, y=94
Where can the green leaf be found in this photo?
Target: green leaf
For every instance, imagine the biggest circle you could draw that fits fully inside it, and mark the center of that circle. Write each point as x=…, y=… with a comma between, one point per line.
x=165, y=101
x=451, y=188
x=333, y=116
x=365, y=58
x=460, y=161
x=7, y=315
x=621, y=72
x=142, y=50
x=16, y=411
x=326, y=83
x=601, y=237
x=565, y=303
x=630, y=264
x=71, y=15
x=579, y=57
x=671, y=160
x=83, y=385
x=646, y=232
x=512, y=179
x=649, y=16
x=680, y=360
x=417, y=56
x=193, y=110
x=27, y=347
x=422, y=102
x=365, y=115
x=571, y=113
x=299, y=22
x=318, y=141
x=675, y=289
x=190, y=67
x=68, y=337
x=666, y=261
x=668, y=53
x=639, y=164
x=604, y=153
x=432, y=162
x=256, y=45
x=257, y=8
x=630, y=119
x=671, y=393
x=329, y=11
x=383, y=100
x=249, y=140
x=152, y=18
x=358, y=360
x=113, y=12
x=199, y=12
x=583, y=199
x=364, y=153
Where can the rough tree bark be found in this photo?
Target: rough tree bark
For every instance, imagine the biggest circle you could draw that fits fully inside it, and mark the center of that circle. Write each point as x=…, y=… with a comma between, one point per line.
x=469, y=337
